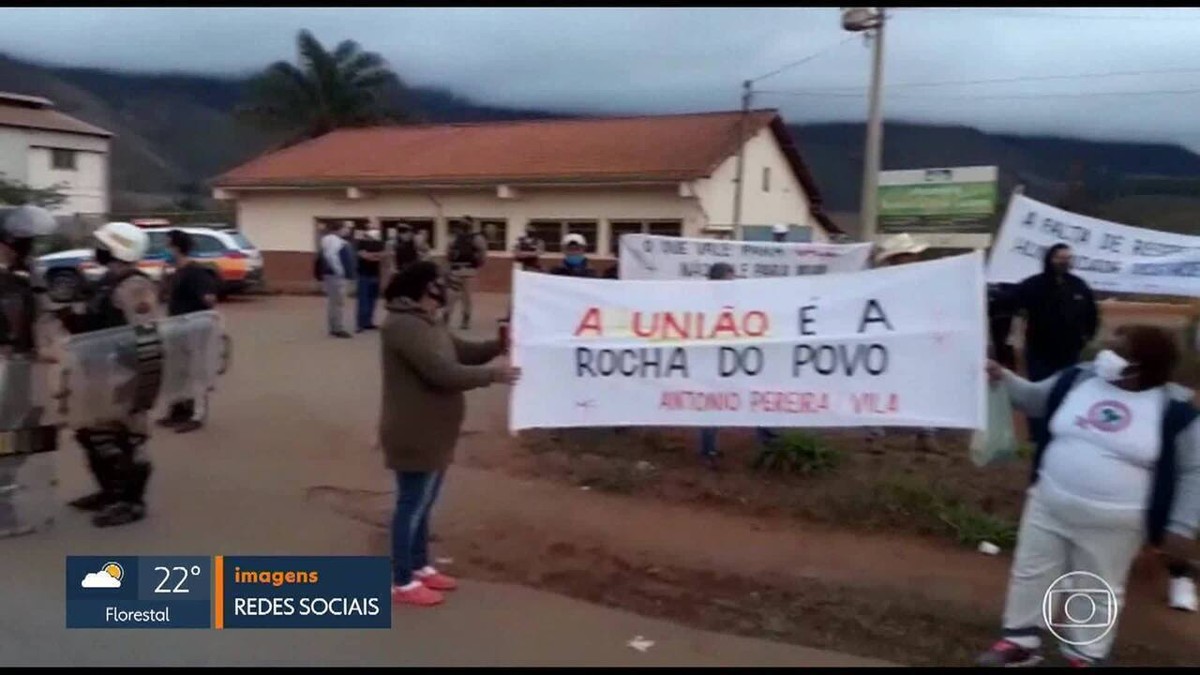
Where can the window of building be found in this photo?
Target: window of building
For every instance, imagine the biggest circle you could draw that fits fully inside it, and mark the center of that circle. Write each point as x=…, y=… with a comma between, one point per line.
x=766, y=179
x=494, y=230
x=62, y=159
x=662, y=228
x=425, y=225
x=551, y=233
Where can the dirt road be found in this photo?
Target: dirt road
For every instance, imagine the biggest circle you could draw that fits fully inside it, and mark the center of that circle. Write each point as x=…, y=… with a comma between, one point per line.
x=295, y=414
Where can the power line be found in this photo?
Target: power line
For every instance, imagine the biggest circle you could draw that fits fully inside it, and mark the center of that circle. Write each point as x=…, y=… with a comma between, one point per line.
x=802, y=61
x=992, y=96
x=1029, y=78
x=1022, y=13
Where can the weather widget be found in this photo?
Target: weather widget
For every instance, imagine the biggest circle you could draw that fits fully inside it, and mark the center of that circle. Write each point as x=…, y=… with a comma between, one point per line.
x=139, y=592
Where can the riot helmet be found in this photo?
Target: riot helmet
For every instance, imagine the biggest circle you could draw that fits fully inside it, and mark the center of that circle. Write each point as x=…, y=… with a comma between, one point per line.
x=19, y=225
x=123, y=241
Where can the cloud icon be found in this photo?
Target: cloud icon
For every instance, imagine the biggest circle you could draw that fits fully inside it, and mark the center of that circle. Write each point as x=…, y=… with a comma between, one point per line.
x=101, y=580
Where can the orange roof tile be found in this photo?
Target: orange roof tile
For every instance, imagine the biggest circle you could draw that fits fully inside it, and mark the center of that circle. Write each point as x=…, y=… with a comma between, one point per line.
x=663, y=148
x=668, y=148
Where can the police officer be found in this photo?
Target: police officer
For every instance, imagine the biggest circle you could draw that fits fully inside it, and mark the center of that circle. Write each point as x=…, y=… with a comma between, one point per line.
x=19, y=226
x=22, y=418
x=123, y=296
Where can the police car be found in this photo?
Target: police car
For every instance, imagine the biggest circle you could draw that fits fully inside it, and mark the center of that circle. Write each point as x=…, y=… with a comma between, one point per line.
x=235, y=262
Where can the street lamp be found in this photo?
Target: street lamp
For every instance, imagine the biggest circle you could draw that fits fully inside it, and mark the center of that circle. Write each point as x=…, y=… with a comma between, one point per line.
x=870, y=20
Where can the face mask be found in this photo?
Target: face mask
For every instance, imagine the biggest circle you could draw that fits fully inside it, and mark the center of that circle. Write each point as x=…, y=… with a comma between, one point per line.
x=103, y=256
x=574, y=260
x=1110, y=366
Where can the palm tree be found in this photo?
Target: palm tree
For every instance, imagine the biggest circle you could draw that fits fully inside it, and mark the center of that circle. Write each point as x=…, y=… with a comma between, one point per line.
x=347, y=87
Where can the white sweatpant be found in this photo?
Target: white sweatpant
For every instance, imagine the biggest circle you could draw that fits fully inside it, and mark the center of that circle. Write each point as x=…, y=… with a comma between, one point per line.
x=1055, y=538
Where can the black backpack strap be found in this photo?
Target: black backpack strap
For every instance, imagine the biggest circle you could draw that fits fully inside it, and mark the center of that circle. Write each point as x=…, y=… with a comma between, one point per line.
x=1066, y=379
x=1179, y=415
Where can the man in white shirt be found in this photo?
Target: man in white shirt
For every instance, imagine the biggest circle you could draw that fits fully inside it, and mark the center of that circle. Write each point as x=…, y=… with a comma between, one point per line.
x=337, y=266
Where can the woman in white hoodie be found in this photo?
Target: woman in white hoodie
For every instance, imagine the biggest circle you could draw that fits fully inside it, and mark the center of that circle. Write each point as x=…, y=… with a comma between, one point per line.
x=1121, y=466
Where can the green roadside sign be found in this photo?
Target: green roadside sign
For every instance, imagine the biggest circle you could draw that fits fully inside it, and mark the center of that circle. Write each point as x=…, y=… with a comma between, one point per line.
x=946, y=200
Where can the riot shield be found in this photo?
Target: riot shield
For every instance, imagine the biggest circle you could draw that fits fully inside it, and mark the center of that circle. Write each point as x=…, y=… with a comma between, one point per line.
x=117, y=372
x=28, y=435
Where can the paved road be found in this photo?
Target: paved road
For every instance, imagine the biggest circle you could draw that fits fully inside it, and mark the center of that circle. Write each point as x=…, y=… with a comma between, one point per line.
x=296, y=412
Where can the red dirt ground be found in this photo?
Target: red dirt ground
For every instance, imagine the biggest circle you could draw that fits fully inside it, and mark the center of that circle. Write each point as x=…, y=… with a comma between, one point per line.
x=855, y=559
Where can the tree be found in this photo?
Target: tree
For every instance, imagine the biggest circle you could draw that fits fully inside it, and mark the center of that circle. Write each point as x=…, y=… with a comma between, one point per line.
x=16, y=193
x=347, y=87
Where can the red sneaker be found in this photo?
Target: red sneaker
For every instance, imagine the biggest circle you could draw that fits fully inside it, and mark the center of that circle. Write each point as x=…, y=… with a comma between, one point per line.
x=419, y=595
x=437, y=581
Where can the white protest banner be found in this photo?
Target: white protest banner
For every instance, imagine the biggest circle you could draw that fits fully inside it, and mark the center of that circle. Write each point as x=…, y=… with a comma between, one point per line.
x=1108, y=256
x=648, y=256
x=899, y=346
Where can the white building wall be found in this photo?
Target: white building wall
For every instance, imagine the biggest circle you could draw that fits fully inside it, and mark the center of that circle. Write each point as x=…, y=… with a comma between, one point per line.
x=86, y=186
x=783, y=202
x=13, y=150
x=282, y=220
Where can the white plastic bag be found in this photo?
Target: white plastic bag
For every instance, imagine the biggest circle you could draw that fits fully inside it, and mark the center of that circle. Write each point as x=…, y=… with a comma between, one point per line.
x=998, y=442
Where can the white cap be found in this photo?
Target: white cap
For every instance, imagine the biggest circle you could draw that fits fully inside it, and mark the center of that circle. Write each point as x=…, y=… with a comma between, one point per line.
x=780, y=228
x=126, y=241
x=574, y=238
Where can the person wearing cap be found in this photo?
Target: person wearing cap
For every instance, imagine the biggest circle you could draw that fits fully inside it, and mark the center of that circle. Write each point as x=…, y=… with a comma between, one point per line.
x=575, y=261
x=779, y=232
x=467, y=253
x=902, y=249
x=708, y=435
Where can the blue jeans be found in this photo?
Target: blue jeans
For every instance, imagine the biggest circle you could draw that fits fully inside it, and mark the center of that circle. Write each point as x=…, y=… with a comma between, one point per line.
x=708, y=439
x=415, y=494
x=368, y=295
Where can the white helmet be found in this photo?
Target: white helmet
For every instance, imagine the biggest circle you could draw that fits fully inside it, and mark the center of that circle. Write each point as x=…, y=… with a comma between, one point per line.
x=126, y=241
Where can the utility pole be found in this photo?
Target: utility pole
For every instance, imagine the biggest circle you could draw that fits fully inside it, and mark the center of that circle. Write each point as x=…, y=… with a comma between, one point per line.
x=874, y=155
x=870, y=20
x=741, y=159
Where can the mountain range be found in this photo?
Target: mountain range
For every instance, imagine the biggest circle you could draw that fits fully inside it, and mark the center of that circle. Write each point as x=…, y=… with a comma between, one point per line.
x=174, y=132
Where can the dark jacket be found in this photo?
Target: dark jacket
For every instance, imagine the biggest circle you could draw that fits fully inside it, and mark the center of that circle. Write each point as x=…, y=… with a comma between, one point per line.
x=426, y=370
x=1061, y=316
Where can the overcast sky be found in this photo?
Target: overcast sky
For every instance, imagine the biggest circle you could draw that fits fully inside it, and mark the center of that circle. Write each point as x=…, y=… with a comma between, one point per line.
x=678, y=60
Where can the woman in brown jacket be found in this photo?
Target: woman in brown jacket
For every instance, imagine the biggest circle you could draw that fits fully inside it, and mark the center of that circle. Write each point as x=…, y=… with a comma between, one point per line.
x=426, y=371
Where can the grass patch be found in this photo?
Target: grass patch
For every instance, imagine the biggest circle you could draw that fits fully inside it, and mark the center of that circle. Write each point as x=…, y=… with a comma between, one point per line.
x=797, y=452
x=939, y=510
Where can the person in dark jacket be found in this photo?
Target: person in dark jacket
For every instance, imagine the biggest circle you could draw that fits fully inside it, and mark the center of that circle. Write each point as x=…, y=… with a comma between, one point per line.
x=1061, y=318
x=426, y=371
x=193, y=288
x=1000, y=320
x=406, y=251
x=370, y=262
x=575, y=262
